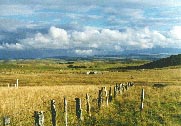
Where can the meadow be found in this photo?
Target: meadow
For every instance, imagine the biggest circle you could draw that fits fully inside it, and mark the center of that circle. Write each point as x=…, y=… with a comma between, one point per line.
x=43, y=80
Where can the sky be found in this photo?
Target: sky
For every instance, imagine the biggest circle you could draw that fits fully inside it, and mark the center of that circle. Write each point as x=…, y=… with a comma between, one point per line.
x=87, y=27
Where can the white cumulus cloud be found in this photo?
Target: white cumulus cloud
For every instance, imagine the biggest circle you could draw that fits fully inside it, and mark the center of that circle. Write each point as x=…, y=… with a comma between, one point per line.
x=83, y=52
x=176, y=32
x=59, y=34
x=12, y=46
x=90, y=40
x=55, y=39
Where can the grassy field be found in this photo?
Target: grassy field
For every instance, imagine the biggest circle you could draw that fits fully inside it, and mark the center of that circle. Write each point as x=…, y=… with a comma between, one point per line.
x=43, y=80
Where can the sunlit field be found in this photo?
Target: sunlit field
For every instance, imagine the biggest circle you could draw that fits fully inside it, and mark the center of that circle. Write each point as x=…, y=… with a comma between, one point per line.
x=43, y=80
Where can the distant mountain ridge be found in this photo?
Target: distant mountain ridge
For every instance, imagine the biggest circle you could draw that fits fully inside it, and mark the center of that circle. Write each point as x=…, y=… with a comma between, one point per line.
x=145, y=54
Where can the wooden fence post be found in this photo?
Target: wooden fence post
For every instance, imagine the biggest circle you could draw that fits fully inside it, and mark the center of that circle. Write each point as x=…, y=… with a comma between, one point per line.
x=142, y=99
x=78, y=109
x=17, y=83
x=126, y=86
x=36, y=118
x=117, y=87
x=106, y=97
x=53, y=112
x=99, y=99
x=88, y=104
x=131, y=84
x=128, y=83
x=65, y=111
x=123, y=87
x=120, y=88
x=6, y=121
x=110, y=94
x=39, y=118
x=115, y=91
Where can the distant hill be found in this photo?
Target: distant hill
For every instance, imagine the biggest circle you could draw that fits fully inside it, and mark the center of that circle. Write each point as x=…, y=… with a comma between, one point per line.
x=173, y=60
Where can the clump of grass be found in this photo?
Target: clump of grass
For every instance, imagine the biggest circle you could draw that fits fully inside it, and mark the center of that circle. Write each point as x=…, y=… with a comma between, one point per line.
x=159, y=85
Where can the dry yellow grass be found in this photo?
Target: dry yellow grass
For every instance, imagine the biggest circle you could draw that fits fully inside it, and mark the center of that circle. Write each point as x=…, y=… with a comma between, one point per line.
x=20, y=103
x=41, y=82
x=51, y=73
x=68, y=77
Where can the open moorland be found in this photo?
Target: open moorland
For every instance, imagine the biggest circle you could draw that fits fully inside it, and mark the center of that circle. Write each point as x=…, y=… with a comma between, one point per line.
x=43, y=80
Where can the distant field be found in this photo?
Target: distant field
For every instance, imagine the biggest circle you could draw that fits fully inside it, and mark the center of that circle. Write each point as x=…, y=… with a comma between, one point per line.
x=58, y=72
x=43, y=80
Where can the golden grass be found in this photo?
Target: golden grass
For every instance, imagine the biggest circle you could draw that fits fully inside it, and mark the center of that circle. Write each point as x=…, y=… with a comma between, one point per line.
x=68, y=77
x=41, y=81
x=20, y=103
x=51, y=73
x=161, y=107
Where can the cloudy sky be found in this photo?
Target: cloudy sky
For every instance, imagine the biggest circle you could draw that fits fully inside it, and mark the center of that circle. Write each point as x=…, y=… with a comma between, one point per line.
x=88, y=27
